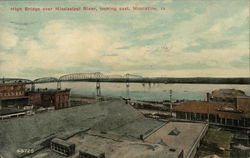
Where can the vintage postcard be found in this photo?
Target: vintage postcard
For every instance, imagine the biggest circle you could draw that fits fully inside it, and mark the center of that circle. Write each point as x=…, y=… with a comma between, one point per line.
x=124, y=79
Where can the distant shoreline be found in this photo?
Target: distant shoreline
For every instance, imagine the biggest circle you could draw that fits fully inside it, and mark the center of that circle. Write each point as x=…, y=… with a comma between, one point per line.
x=194, y=80
x=152, y=80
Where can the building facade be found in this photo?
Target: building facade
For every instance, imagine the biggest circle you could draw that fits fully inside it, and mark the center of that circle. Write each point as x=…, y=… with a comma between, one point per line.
x=12, y=94
x=214, y=112
x=58, y=99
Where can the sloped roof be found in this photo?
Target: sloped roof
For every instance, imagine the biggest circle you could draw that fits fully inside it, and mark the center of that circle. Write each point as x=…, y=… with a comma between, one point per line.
x=31, y=131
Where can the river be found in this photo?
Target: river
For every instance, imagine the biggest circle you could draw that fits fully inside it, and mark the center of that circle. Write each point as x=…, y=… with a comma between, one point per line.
x=152, y=92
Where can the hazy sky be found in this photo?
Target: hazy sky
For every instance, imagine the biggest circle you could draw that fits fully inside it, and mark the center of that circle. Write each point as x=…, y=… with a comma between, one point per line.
x=190, y=38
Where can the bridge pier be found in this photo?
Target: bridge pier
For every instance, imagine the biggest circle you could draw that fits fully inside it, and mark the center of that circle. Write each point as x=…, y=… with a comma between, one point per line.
x=59, y=85
x=98, y=88
x=33, y=86
x=127, y=89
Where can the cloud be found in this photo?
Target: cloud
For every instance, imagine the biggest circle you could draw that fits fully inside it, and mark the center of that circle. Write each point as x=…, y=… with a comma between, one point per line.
x=8, y=39
x=62, y=45
x=146, y=43
x=237, y=20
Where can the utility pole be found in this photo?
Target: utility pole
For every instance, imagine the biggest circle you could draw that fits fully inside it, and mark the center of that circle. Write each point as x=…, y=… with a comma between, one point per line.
x=170, y=98
x=127, y=88
x=3, y=80
x=98, y=88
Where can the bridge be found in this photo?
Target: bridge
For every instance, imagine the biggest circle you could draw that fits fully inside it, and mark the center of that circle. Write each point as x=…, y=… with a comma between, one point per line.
x=91, y=77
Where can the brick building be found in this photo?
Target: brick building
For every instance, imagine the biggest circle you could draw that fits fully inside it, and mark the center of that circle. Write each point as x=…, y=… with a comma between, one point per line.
x=58, y=99
x=12, y=94
x=237, y=115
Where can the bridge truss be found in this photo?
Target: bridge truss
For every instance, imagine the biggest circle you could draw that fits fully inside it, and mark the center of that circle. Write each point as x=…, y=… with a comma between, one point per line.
x=94, y=77
x=97, y=77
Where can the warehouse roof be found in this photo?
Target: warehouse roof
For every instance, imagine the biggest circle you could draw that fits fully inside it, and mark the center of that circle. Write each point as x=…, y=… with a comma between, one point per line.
x=114, y=146
x=31, y=131
x=185, y=135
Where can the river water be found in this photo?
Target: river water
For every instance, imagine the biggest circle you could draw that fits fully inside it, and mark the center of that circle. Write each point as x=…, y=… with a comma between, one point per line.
x=152, y=92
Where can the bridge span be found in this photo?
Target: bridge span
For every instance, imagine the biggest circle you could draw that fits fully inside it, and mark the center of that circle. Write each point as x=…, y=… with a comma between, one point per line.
x=90, y=77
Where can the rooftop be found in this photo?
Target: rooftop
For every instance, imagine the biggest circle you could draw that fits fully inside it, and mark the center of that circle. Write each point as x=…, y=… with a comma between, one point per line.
x=114, y=146
x=45, y=90
x=13, y=97
x=32, y=131
x=12, y=84
x=187, y=135
x=228, y=93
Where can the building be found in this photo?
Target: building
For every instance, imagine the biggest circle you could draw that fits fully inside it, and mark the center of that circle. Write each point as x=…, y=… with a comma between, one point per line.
x=216, y=112
x=56, y=98
x=225, y=95
x=62, y=147
x=12, y=94
x=118, y=127
x=111, y=127
x=98, y=144
x=186, y=136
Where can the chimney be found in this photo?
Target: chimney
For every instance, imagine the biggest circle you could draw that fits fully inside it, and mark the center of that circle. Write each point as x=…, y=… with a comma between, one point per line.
x=236, y=103
x=248, y=134
x=141, y=137
x=208, y=97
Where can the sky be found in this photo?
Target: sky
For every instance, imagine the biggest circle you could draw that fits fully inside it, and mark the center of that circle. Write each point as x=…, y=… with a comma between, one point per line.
x=195, y=38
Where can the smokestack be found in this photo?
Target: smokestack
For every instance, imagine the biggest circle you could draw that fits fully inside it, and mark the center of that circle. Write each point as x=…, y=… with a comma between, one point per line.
x=208, y=97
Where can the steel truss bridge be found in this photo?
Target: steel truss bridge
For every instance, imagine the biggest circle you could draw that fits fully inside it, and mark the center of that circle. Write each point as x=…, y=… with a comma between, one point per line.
x=92, y=77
